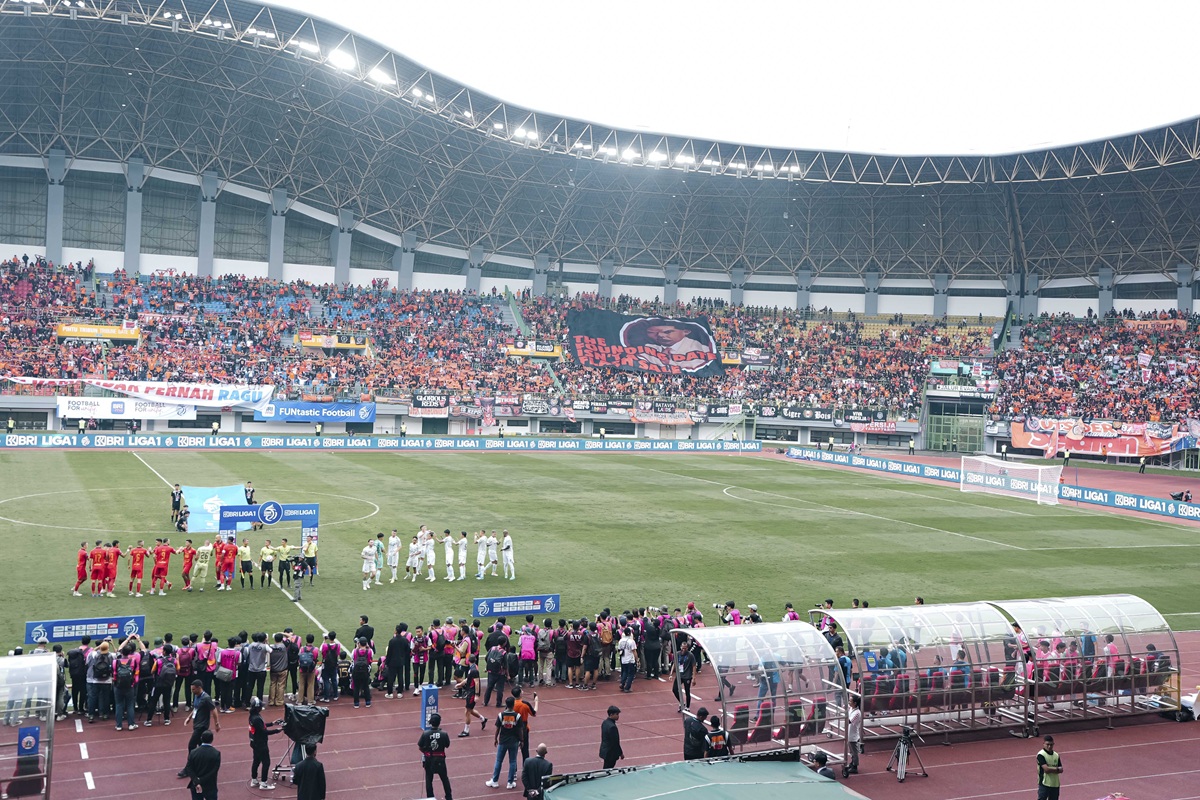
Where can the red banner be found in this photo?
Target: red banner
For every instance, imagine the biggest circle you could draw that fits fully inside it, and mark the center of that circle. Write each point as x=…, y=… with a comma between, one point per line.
x=1156, y=324
x=1098, y=437
x=873, y=427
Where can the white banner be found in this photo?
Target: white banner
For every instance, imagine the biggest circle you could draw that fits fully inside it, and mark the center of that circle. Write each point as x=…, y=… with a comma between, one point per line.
x=203, y=395
x=121, y=408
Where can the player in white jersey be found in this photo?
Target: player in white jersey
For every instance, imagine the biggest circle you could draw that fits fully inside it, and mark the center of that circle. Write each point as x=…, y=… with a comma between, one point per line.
x=393, y=553
x=448, y=543
x=462, y=556
x=412, y=567
x=430, y=555
x=480, y=554
x=506, y=552
x=368, y=568
x=492, y=543
x=422, y=537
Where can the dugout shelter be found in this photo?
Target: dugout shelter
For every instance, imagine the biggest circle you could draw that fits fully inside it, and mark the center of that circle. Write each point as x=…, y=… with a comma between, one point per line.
x=943, y=669
x=778, y=685
x=28, y=688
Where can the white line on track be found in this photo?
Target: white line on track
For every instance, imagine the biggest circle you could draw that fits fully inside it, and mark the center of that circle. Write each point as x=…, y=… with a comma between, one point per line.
x=91, y=784
x=303, y=610
x=79, y=726
x=83, y=753
x=834, y=508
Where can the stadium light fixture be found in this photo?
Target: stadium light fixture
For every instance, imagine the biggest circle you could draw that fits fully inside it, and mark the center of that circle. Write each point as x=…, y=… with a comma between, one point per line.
x=308, y=47
x=379, y=76
x=342, y=60
x=519, y=133
x=468, y=114
x=531, y=135
x=763, y=166
x=684, y=159
x=658, y=157
x=629, y=154
x=499, y=126
x=417, y=93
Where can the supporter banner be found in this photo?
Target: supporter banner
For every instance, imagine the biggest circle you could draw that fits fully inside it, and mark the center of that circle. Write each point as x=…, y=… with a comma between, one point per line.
x=508, y=400
x=153, y=441
x=863, y=416
x=713, y=411
x=1098, y=437
x=525, y=604
x=1155, y=324
x=807, y=413
x=625, y=403
x=205, y=395
x=535, y=405
x=661, y=417
x=873, y=427
x=643, y=344
x=755, y=357
x=428, y=413
x=534, y=349
x=470, y=412
x=430, y=401
x=289, y=411
x=121, y=408
x=333, y=341
x=599, y=407
x=128, y=331
x=1066, y=491
x=581, y=405
x=768, y=412
x=72, y=630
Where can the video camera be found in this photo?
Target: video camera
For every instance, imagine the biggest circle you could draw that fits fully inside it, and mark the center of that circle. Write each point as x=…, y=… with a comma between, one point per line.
x=304, y=725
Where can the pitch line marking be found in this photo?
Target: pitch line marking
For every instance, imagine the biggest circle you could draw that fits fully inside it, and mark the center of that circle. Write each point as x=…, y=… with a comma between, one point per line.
x=837, y=509
x=91, y=783
x=725, y=492
x=298, y=605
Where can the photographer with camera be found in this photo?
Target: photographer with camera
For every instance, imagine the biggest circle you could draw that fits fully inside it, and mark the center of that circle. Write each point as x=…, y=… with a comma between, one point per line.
x=731, y=615
x=259, y=747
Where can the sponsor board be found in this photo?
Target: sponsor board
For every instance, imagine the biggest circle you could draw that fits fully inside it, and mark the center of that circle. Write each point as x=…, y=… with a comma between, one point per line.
x=77, y=330
x=269, y=513
x=121, y=408
x=283, y=441
x=1066, y=492
x=524, y=604
x=534, y=349
x=295, y=411
x=72, y=630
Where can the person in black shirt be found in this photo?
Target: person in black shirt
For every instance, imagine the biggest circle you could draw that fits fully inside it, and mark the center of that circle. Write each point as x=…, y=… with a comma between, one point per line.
x=398, y=660
x=693, y=735
x=181, y=522
x=610, y=739
x=821, y=762
x=433, y=745
x=309, y=776
x=202, y=716
x=685, y=666
x=533, y=771
x=365, y=631
x=203, y=766
x=259, y=731
x=249, y=490
x=176, y=502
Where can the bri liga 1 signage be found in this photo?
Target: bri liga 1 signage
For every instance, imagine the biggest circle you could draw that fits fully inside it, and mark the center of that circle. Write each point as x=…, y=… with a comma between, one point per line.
x=525, y=604
x=72, y=630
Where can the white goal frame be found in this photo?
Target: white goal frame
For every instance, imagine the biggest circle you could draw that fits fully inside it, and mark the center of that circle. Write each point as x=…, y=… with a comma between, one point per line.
x=1010, y=479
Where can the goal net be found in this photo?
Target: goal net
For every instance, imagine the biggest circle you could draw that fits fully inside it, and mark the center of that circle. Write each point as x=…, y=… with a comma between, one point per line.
x=1025, y=481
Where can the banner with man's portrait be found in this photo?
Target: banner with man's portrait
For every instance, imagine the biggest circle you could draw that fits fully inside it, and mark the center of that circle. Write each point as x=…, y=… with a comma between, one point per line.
x=667, y=345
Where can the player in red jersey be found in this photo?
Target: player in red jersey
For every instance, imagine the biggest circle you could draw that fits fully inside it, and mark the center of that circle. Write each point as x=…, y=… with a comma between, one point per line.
x=97, y=556
x=111, y=558
x=137, y=565
x=81, y=569
x=162, y=562
x=225, y=564
x=189, y=556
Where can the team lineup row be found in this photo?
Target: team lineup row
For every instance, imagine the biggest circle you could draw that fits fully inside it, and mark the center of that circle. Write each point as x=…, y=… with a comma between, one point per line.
x=422, y=555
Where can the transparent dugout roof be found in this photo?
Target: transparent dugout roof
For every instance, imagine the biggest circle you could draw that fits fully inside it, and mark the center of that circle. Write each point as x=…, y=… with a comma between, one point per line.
x=765, y=644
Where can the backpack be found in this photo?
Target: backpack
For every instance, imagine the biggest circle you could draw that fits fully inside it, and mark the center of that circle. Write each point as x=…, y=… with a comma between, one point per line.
x=146, y=667
x=606, y=633
x=102, y=667
x=185, y=660
x=293, y=652
x=166, y=673
x=495, y=660
x=528, y=649
x=76, y=661
x=362, y=662
x=331, y=656
x=593, y=645
x=509, y=720
x=439, y=641
x=124, y=674
x=306, y=660
x=544, y=640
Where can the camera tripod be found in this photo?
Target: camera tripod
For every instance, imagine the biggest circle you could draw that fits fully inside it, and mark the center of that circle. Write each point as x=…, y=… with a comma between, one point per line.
x=899, y=759
x=287, y=762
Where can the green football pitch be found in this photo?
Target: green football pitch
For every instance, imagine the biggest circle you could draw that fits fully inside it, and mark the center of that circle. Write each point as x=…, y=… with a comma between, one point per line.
x=613, y=530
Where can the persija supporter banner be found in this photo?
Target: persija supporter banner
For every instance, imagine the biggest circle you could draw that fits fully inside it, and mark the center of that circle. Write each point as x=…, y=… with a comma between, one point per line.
x=1097, y=437
x=669, y=345
x=204, y=395
x=1156, y=324
x=121, y=408
x=873, y=427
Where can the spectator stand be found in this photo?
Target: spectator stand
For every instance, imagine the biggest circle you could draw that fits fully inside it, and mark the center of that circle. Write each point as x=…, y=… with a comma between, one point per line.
x=908, y=671
x=778, y=686
x=29, y=684
x=1137, y=673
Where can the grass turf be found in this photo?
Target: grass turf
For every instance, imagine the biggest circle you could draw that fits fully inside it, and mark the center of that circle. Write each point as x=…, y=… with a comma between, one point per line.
x=601, y=529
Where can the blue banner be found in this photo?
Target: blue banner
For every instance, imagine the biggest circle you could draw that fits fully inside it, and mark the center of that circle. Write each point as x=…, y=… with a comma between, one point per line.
x=1066, y=492
x=429, y=704
x=28, y=739
x=295, y=411
x=72, y=630
x=204, y=505
x=181, y=441
x=269, y=513
x=525, y=604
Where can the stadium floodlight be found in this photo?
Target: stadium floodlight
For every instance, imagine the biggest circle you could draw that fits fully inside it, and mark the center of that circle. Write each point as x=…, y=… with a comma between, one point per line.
x=498, y=126
x=379, y=76
x=1011, y=479
x=342, y=60
x=657, y=157
x=468, y=114
x=794, y=168
x=519, y=133
x=629, y=154
x=684, y=159
x=709, y=162
x=417, y=93
x=764, y=167
x=308, y=47
x=531, y=135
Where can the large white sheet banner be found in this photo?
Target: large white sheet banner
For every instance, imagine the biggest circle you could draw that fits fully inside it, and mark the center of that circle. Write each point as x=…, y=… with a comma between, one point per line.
x=203, y=395
x=121, y=408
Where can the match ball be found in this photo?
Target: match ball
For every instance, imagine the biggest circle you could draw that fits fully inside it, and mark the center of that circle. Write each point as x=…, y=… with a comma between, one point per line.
x=202, y=588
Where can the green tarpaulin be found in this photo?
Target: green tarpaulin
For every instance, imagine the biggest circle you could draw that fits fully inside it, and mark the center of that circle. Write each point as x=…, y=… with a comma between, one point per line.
x=704, y=780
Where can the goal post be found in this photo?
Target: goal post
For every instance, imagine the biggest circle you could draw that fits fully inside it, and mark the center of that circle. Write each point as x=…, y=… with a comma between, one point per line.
x=1010, y=479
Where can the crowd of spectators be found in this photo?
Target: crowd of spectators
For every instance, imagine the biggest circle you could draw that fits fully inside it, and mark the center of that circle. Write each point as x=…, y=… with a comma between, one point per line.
x=1097, y=367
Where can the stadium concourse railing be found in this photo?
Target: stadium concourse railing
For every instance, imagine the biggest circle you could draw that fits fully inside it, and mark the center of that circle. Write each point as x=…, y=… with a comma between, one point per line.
x=1019, y=664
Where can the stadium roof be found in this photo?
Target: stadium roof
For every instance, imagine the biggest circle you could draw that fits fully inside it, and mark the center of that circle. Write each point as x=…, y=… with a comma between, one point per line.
x=916, y=77
x=272, y=99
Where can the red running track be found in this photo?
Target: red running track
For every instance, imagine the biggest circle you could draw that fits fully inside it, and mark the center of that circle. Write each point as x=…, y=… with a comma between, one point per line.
x=374, y=751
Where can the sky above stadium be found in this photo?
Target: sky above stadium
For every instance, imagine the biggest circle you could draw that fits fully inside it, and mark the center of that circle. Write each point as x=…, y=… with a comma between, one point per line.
x=917, y=77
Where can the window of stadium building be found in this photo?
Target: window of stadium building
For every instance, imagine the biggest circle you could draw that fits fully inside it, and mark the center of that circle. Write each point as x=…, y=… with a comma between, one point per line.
x=955, y=434
x=202, y=422
x=888, y=439
x=823, y=437
x=778, y=434
x=614, y=428
x=560, y=426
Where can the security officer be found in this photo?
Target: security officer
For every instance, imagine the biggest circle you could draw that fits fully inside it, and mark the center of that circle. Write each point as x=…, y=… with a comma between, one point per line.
x=433, y=745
